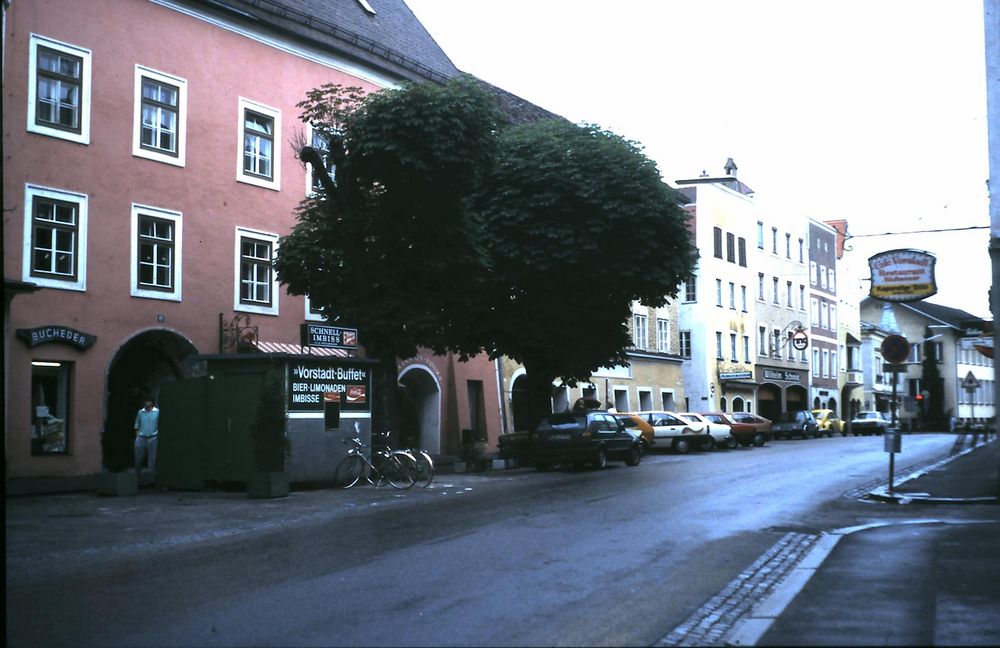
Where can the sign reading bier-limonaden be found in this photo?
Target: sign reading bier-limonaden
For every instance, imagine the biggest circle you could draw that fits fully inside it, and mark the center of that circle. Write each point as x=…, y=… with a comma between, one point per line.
x=902, y=275
x=311, y=384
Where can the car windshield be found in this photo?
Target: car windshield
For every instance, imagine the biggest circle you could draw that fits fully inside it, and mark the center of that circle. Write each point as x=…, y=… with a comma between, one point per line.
x=788, y=417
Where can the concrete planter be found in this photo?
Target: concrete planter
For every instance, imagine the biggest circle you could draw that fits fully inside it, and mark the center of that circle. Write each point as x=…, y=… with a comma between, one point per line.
x=118, y=484
x=264, y=485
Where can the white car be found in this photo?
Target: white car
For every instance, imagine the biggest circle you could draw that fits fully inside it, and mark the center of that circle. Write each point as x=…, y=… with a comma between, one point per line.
x=670, y=429
x=719, y=434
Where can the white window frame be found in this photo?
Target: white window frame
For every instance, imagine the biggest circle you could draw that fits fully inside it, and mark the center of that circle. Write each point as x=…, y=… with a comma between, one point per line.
x=825, y=363
x=718, y=346
x=746, y=348
x=274, y=183
x=176, y=218
x=662, y=335
x=310, y=175
x=684, y=342
x=272, y=309
x=142, y=72
x=311, y=316
x=733, y=348
x=31, y=192
x=832, y=280
x=822, y=277
x=718, y=293
x=812, y=272
x=814, y=311
x=640, y=331
x=36, y=40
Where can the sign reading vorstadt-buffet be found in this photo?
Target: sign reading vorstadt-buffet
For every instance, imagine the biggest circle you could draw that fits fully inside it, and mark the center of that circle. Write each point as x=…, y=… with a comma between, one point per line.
x=312, y=383
x=902, y=275
x=328, y=337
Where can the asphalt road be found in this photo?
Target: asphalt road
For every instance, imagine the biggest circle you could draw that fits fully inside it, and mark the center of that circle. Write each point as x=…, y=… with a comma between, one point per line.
x=568, y=557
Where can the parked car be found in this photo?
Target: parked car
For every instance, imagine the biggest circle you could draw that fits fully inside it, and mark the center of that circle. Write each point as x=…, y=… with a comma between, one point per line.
x=745, y=434
x=829, y=423
x=673, y=431
x=867, y=423
x=583, y=437
x=719, y=434
x=759, y=423
x=795, y=423
x=635, y=423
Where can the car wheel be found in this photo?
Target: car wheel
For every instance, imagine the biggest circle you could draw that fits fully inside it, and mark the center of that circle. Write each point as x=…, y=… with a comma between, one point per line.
x=633, y=458
x=759, y=440
x=601, y=460
x=643, y=447
x=745, y=442
x=731, y=443
x=681, y=446
x=708, y=444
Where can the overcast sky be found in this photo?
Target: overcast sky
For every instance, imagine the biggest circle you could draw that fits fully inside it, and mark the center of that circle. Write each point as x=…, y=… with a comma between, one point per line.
x=874, y=112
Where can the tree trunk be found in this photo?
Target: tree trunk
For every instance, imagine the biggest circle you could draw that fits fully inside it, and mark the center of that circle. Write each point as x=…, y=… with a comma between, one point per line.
x=385, y=383
x=539, y=395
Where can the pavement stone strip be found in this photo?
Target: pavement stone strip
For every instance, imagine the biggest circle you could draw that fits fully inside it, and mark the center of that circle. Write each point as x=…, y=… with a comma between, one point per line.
x=721, y=615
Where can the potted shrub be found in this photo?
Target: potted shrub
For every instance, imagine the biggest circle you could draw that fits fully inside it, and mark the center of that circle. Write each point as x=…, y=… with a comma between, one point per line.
x=271, y=446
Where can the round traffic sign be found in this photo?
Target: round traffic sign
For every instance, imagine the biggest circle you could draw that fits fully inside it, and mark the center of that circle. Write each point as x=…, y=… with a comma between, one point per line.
x=895, y=349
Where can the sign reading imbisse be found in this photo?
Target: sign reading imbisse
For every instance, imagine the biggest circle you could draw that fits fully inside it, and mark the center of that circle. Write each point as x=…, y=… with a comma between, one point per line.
x=902, y=275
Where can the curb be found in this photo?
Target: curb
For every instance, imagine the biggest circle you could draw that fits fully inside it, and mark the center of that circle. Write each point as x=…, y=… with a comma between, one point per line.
x=883, y=494
x=750, y=630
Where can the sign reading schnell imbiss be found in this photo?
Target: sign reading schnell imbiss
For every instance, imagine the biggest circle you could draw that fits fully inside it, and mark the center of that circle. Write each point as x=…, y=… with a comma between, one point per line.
x=312, y=384
x=328, y=337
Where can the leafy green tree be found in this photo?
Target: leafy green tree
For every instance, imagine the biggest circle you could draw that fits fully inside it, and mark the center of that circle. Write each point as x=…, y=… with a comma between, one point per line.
x=447, y=227
x=391, y=245
x=578, y=225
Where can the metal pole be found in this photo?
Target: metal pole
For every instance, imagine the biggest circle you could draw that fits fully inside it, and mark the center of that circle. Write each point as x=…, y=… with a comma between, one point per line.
x=892, y=426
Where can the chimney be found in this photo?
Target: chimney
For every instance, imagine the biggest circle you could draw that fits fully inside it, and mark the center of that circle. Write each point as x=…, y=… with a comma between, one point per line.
x=730, y=167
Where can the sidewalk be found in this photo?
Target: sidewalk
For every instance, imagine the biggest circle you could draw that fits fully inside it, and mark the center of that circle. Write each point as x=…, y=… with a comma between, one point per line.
x=933, y=579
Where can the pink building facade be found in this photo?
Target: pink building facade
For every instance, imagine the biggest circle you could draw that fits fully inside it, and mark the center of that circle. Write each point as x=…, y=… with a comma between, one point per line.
x=149, y=173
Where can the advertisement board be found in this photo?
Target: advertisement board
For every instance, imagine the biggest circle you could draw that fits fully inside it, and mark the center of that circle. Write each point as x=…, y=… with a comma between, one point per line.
x=902, y=275
x=311, y=384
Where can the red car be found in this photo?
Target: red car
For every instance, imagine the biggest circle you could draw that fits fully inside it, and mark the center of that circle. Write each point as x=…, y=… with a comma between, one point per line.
x=746, y=432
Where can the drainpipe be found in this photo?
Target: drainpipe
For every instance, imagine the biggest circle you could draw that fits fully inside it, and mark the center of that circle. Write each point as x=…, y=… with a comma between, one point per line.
x=500, y=397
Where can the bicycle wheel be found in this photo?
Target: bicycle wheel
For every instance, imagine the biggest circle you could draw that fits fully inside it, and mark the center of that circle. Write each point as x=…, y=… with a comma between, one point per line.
x=349, y=471
x=400, y=470
x=425, y=468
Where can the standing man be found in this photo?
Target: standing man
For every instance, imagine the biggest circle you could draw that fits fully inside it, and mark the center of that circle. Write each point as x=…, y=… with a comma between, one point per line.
x=146, y=426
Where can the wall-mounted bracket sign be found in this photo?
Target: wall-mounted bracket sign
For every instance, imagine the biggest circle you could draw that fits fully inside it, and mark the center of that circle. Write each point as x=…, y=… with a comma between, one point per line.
x=902, y=275
x=328, y=337
x=58, y=334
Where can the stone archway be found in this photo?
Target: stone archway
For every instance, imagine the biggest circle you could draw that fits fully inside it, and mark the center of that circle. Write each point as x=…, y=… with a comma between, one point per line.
x=420, y=410
x=135, y=374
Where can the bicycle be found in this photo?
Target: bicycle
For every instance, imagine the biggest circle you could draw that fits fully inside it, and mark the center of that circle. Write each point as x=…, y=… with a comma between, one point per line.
x=425, y=467
x=398, y=467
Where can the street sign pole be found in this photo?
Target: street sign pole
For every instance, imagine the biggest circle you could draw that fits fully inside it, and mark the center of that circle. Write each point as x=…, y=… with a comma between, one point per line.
x=892, y=426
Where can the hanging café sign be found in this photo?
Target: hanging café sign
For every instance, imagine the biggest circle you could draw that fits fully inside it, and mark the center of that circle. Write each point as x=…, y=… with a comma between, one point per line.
x=902, y=275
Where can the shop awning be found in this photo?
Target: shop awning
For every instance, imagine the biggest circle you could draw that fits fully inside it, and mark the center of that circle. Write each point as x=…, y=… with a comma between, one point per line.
x=295, y=349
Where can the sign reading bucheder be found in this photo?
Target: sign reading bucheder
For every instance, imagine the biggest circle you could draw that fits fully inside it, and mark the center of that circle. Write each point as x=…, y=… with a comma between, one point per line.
x=902, y=275
x=311, y=384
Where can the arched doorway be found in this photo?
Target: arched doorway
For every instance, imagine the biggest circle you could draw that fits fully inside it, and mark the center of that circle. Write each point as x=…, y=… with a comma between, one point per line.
x=796, y=398
x=518, y=403
x=769, y=401
x=738, y=404
x=816, y=402
x=135, y=374
x=832, y=405
x=420, y=409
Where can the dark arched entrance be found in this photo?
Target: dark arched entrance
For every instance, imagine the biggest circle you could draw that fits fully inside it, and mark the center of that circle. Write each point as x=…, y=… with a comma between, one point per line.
x=796, y=398
x=769, y=401
x=135, y=374
x=519, y=409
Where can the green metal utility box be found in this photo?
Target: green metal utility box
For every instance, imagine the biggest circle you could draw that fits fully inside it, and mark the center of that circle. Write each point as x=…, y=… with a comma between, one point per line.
x=207, y=423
